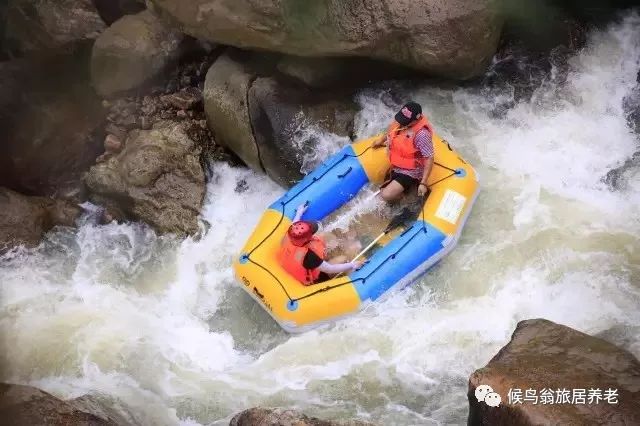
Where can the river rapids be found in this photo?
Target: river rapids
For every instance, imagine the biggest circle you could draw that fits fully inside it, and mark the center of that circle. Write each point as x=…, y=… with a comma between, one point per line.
x=156, y=328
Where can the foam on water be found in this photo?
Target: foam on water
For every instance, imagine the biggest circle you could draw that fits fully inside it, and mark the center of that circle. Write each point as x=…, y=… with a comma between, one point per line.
x=157, y=329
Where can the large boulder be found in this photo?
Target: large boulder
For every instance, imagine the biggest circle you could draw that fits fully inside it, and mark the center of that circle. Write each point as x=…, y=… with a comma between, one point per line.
x=571, y=373
x=44, y=25
x=260, y=118
x=226, y=105
x=278, y=416
x=314, y=72
x=131, y=52
x=277, y=113
x=50, y=120
x=456, y=38
x=23, y=220
x=112, y=10
x=157, y=178
x=343, y=72
x=25, y=405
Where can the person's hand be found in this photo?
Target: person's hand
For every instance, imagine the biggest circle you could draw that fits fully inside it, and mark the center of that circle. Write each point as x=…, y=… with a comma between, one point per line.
x=422, y=190
x=357, y=264
x=380, y=142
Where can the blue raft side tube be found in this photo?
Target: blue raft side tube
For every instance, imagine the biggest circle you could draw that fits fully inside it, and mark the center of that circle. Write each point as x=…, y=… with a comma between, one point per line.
x=331, y=185
x=398, y=260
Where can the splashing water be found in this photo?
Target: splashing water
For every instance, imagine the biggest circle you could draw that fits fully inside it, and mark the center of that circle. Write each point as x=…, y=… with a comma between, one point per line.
x=156, y=328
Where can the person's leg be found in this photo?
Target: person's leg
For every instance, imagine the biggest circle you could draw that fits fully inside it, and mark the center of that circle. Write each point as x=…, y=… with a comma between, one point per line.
x=323, y=277
x=392, y=191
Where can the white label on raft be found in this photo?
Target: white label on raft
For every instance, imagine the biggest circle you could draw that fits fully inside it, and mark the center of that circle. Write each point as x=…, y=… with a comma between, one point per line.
x=451, y=206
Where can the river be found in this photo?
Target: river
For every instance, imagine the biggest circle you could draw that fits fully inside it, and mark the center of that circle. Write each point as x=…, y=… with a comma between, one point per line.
x=157, y=329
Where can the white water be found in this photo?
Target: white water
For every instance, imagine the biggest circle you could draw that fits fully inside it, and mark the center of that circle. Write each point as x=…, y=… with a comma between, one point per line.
x=157, y=329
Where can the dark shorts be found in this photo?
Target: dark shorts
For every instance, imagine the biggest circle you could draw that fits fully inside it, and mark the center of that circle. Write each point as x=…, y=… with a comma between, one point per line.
x=323, y=277
x=407, y=182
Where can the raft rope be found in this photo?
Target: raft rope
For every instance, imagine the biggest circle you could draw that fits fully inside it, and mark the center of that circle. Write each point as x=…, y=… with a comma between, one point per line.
x=392, y=256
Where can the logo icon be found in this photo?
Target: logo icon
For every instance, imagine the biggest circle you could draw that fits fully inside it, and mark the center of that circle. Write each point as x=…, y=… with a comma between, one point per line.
x=485, y=393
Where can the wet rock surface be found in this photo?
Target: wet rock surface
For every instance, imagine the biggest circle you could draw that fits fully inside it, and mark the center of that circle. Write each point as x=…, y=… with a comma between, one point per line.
x=132, y=51
x=157, y=178
x=157, y=150
x=338, y=72
x=179, y=98
x=227, y=109
x=278, y=111
x=282, y=417
x=44, y=25
x=50, y=120
x=545, y=355
x=23, y=220
x=25, y=405
x=112, y=10
x=456, y=38
x=257, y=116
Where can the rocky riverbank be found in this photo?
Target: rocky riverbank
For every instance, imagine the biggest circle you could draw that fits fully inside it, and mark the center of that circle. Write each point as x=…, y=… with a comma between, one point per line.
x=28, y=406
x=124, y=68
x=536, y=375
x=552, y=374
x=126, y=103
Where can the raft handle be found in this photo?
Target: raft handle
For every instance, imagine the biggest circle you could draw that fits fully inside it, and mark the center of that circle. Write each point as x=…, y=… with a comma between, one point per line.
x=345, y=173
x=260, y=295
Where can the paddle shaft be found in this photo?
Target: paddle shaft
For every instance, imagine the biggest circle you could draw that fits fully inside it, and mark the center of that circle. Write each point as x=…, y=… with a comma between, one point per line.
x=367, y=248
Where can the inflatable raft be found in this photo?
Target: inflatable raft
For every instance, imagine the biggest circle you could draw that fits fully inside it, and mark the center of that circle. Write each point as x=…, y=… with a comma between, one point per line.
x=297, y=308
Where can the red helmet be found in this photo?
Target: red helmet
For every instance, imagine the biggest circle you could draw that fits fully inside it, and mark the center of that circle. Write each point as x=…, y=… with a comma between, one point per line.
x=301, y=232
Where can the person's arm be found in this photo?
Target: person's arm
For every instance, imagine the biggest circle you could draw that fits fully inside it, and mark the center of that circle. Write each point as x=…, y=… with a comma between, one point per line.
x=336, y=268
x=299, y=212
x=427, y=171
x=424, y=143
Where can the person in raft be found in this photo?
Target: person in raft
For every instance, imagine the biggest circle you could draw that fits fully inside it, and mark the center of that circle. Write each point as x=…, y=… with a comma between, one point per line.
x=410, y=152
x=303, y=253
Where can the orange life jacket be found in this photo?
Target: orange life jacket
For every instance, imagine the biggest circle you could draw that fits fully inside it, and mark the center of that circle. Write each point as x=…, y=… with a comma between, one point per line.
x=402, y=149
x=291, y=257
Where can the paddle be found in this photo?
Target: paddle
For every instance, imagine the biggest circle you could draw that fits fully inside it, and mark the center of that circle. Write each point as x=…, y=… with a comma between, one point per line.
x=397, y=221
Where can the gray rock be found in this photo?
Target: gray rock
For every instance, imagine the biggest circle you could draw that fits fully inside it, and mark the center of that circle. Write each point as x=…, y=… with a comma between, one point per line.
x=43, y=25
x=112, y=10
x=456, y=38
x=25, y=405
x=49, y=125
x=281, y=417
x=545, y=355
x=157, y=178
x=23, y=220
x=132, y=51
x=276, y=112
x=226, y=105
x=257, y=117
x=314, y=72
x=339, y=71
x=185, y=99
